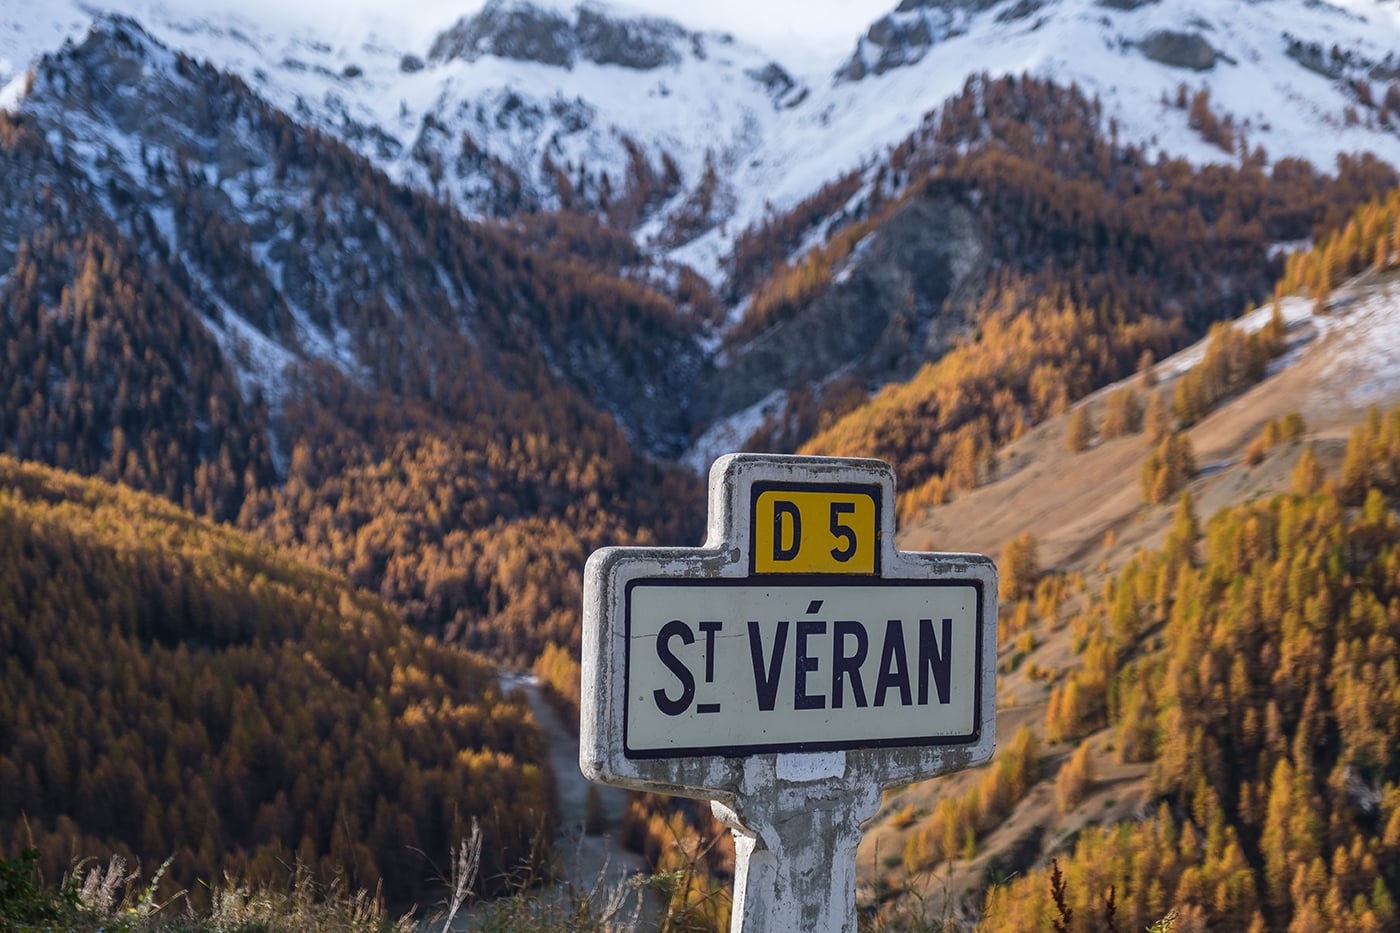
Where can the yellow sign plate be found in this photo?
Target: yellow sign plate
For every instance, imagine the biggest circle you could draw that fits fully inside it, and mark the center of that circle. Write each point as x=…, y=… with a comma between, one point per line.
x=816, y=529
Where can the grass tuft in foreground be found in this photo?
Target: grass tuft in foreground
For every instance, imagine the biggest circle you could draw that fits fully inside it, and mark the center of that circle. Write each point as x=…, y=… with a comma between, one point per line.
x=113, y=899
x=93, y=898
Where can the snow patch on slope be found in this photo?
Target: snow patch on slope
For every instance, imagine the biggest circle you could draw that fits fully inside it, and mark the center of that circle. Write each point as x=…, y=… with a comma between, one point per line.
x=729, y=434
x=1294, y=310
x=1359, y=333
x=1365, y=350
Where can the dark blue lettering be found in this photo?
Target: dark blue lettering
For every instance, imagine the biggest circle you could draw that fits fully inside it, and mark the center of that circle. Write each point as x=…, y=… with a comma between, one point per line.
x=806, y=663
x=676, y=666
x=766, y=685
x=894, y=665
x=848, y=665
x=936, y=656
x=780, y=508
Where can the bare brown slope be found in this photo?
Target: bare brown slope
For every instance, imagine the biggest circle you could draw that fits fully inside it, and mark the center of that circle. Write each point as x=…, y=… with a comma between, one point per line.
x=1071, y=500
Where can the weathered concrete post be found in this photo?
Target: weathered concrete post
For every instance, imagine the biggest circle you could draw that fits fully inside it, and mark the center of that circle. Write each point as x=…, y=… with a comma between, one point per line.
x=795, y=854
x=788, y=671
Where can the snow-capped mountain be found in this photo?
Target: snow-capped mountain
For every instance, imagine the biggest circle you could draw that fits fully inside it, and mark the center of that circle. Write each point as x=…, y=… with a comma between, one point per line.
x=530, y=103
x=520, y=105
x=680, y=138
x=298, y=253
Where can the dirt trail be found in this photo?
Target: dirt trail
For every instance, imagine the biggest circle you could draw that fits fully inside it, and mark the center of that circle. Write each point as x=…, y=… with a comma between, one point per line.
x=587, y=865
x=582, y=857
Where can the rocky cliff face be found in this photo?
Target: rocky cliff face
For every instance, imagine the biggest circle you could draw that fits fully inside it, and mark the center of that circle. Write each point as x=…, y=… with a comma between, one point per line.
x=524, y=32
x=521, y=32
x=905, y=36
x=900, y=301
x=1179, y=49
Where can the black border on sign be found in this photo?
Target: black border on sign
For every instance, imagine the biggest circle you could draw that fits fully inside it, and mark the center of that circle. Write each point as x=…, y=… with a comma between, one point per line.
x=873, y=490
x=771, y=580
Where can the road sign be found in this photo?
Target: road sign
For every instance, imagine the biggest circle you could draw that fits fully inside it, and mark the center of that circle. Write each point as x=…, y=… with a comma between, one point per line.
x=788, y=670
x=738, y=667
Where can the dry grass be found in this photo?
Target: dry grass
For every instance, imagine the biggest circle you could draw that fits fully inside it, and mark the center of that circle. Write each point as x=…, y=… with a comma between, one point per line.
x=114, y=899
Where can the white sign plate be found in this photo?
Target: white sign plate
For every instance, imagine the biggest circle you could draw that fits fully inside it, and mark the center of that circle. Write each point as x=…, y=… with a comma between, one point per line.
x=739, y=667
x=797, y=629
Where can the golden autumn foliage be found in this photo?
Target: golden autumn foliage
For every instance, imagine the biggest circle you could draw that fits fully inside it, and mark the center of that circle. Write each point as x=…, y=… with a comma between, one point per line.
x=1157, y=420
x=1290, y=427
x=1148, y=864
x=761, y=250
x=106, y=369
x=951, y=831
x=1370, y=240
x=1122, y=413
x=688, y=846
x=1372, y=458
x=446, y=466
x=559, y=672
x=1234, y=360
x=480, y=534
x=1269, y=713
x=1019, y=567
x=1128, y=257
x=175, y=688
x=1168, y=469
x=1075, y=778
x=1080, y=430
x=1033, y=355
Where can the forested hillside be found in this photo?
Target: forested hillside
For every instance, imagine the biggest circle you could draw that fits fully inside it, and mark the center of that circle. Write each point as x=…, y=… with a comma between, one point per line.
x=109, y=369
x=1205, y=663
x=1109, y=258
x=177, y=689
x=478, y=530
x=1254, y=665
x=422, y=387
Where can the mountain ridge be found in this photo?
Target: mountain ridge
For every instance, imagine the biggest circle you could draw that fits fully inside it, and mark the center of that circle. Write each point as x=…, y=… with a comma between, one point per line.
x=776, y=136
x=195, y=160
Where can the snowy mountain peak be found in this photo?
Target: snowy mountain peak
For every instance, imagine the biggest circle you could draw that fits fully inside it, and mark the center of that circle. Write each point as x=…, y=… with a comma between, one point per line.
x=523, y=31
x=1189, y=37
x=119, y=87
x=905, y=36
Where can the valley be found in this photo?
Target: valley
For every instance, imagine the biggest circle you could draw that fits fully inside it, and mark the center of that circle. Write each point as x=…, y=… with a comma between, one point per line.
x=328, y=353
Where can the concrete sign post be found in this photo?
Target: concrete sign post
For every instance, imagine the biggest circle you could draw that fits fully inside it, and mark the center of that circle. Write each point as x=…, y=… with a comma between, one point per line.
x=788, y=671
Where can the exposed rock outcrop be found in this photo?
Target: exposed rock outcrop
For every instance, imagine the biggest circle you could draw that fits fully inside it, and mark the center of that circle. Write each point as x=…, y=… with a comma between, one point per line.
x=521, y=31
x=1335, y=62
x=890, y=43
x=900, y=301
x=1126, y=5
x=776, y=81
x=1179, y=49
x=947, y=6
x=641, y=44
x=905, y=36
x=1021, y=9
